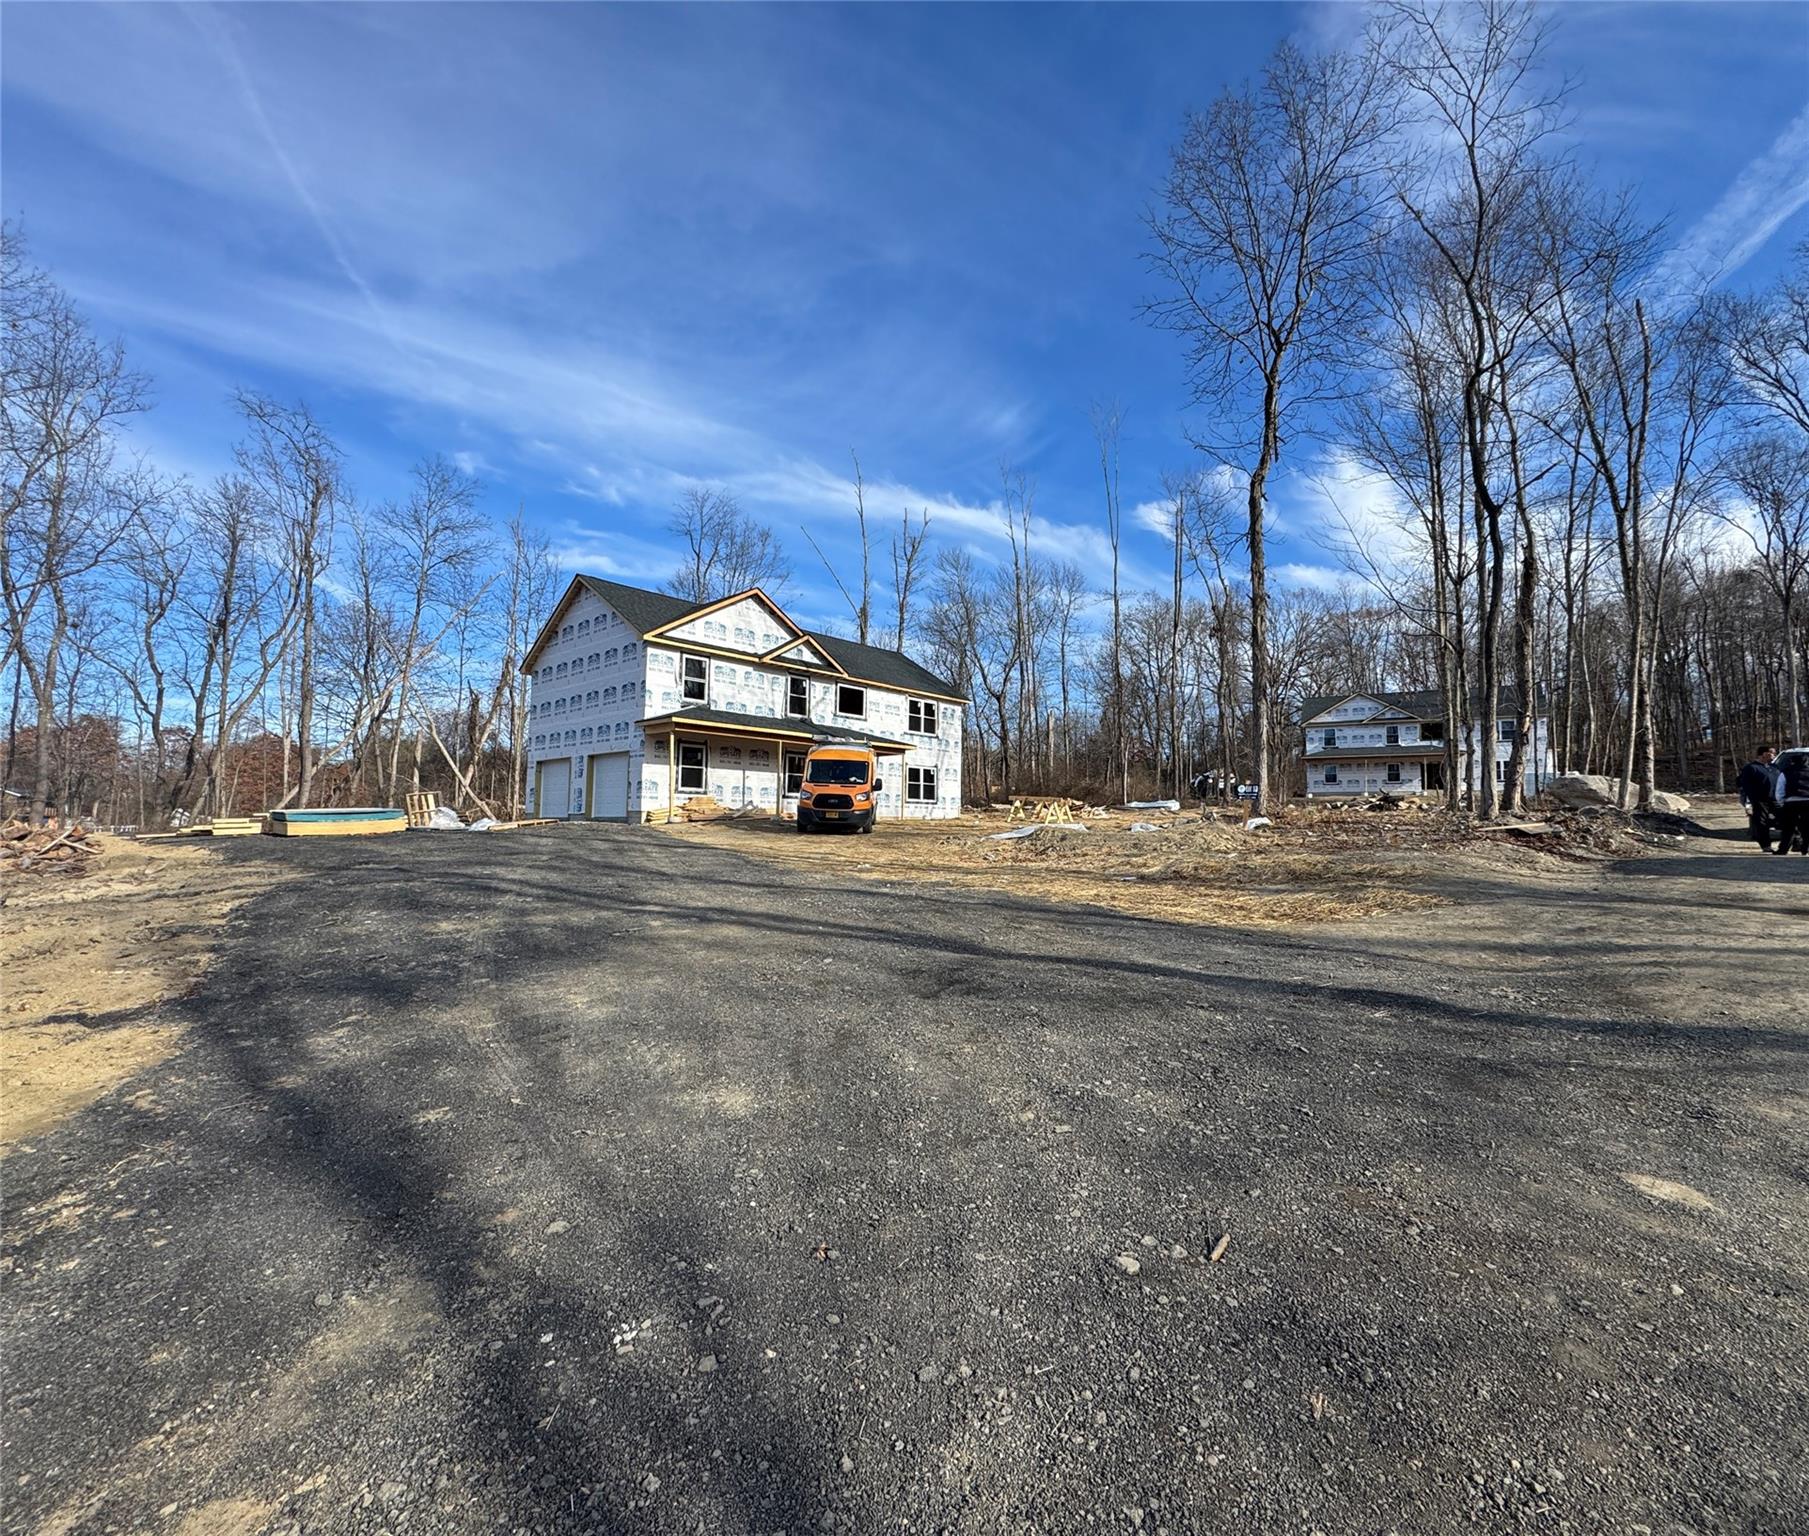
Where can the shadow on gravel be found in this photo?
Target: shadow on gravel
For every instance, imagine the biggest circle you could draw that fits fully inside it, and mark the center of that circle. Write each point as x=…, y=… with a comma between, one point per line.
x=484, y=978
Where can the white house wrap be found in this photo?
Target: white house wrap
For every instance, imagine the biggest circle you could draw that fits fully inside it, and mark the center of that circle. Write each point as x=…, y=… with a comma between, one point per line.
x=642, y=700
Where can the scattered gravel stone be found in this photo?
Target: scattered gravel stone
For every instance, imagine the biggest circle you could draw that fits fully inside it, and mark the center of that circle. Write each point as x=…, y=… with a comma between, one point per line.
x=1128, y=1264
x=554, y=1228
x=705, y=1364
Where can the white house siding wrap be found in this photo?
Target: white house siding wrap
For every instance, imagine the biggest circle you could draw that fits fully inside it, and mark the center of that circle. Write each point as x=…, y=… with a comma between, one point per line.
x=748, y=625
x=587, y=692
x=595, y=676
x=1361, y=724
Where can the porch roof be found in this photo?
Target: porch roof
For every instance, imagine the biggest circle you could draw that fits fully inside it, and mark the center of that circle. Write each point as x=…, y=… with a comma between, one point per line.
x=1407, y=751
x=731, y=726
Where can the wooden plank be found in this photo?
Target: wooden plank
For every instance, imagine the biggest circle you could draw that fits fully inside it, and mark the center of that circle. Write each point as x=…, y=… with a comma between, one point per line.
x=361, y=828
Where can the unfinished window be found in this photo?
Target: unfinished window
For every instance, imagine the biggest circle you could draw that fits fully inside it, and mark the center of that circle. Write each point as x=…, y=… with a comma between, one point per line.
x=695, y=673
x=1392, y=735
x=1394, y=773
x=691, y=767
x=1507, y=730
x=920, y=785
x=1432, y=730
x=1500, y=770
x=797, y=698
x=923, y=717
x=850, y=700
x=1329, y=737
x=1331, y=773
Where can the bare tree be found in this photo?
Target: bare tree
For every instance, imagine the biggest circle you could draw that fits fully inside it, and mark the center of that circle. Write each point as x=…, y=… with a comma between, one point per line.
x=1771, y=475
x=1107, y=421
x=1263, y=243
x=1470, y=76
x=725, y=550
x=861, y=608
x=907, y=563
x=65, y=395
x=438, y=539
x=293, y=467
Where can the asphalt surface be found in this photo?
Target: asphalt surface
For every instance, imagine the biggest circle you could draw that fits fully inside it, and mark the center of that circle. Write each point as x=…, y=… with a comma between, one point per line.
x=582, y=1180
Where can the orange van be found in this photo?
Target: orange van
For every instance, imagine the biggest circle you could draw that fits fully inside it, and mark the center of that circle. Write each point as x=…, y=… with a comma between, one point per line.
x=840, y=788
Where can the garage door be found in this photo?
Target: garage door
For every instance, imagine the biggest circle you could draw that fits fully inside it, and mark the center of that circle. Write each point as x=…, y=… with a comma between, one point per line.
x=555, y=798
x=609, y=787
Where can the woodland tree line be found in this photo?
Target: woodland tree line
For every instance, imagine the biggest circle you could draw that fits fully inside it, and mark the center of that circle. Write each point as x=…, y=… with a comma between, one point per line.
x=1598, y=464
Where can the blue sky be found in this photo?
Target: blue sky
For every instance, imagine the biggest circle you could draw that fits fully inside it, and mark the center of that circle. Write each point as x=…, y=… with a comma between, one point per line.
x=598, y=252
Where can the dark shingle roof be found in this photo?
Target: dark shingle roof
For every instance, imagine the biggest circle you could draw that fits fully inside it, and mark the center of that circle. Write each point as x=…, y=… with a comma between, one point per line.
x=641, y=609
x=644, y=610
x=1425, y=704
x=783, y=728
x=890, y=669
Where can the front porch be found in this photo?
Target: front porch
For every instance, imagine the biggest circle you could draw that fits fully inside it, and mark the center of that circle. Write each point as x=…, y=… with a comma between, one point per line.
x=743, y=762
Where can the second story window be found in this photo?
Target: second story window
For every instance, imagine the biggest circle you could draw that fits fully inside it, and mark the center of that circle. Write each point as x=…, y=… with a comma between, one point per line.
x=922, y=717
x=1392, y=735
x=1329, y=736
x=797, y=698
x=694, y=672
x=850, y=700
x=1507, y=730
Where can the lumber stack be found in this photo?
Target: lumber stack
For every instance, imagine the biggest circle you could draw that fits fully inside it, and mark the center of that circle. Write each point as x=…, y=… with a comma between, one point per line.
x=25, y=849
x=230, y=826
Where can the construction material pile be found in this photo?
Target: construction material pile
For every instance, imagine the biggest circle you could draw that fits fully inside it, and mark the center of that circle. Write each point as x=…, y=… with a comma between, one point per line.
x=26, y=849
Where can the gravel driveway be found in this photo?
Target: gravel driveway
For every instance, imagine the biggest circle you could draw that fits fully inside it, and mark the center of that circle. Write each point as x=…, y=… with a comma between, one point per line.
x=580, y=1179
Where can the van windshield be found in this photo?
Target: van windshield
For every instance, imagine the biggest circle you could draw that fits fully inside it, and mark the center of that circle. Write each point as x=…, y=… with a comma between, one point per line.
x=837, y=770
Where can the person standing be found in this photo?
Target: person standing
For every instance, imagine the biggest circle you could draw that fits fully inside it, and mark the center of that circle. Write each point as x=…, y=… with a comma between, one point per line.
x=1794, y=822
x=1760, y=796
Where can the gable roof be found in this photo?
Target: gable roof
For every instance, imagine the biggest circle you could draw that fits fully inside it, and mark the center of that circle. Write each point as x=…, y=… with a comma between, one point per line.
x=645, y=611
x=641, y=609
x=1424, y=704
x=873, y=664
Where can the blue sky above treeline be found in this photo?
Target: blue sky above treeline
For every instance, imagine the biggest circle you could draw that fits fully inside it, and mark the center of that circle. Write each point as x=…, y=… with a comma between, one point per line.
x=596, y=253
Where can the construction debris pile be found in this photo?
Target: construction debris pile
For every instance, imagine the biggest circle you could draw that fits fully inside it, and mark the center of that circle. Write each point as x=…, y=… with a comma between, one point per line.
x=25, y=849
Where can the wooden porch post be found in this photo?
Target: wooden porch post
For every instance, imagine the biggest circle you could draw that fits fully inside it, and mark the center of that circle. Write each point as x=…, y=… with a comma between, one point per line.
x=671, y=774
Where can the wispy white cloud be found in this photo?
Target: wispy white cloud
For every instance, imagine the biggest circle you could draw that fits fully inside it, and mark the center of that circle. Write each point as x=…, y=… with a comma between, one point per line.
x=1321, y=578
x=1768, y=191
x=1158, y=517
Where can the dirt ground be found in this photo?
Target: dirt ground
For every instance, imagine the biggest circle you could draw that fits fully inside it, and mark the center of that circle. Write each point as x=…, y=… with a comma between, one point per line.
x=595, y=1179
x=88, y=958
x=1683, y=925
x=1308, y=866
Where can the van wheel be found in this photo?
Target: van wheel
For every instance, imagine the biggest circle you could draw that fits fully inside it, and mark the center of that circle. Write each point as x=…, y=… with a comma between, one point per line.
x=868, y=829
